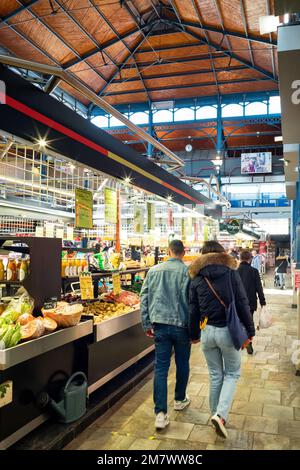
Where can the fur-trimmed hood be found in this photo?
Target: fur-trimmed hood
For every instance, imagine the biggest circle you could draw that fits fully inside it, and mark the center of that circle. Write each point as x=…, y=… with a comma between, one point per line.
x=212, y=259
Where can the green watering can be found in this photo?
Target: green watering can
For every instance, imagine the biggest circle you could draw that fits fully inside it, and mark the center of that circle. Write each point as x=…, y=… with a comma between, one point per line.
x=73, y=398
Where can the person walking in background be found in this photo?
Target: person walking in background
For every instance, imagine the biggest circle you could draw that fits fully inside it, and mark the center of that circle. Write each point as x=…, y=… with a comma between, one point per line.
x=253, y=286
x=281, y=265
x=213, y=274
x=164, y=314
x=256, y=261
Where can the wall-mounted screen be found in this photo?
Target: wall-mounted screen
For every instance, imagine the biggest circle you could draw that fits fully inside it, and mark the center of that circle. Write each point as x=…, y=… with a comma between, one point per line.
x=252, y=163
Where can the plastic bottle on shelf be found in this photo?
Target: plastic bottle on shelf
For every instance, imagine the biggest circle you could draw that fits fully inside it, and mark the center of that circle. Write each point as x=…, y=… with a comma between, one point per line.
x=18, y=267
x=84, y=266
x=64, y=264
x=2, y=271
x=23, y=270
x=73, y=268
x=11, y=273
x=78, y=267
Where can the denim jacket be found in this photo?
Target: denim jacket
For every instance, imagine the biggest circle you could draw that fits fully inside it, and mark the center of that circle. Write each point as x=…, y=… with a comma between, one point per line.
x=164, y=296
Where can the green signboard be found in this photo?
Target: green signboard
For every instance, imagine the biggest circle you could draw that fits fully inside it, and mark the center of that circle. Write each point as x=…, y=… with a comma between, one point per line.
x=110, y=201
x=83, y=208
x=233, y=226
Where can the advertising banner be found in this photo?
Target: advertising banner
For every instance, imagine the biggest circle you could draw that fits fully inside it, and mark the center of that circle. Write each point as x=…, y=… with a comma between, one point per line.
x=138, y=219
x=150, y=216
x=110, y=202
x=83, y=208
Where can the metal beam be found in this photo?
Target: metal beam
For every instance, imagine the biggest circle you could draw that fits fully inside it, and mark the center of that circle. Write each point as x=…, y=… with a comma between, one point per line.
x=185, y=74
x=12, y=14
x=124, y=63
x=236, y=57
x=192, y=85
x=90, y=95
x=246, y=30
x=58, y=36
x=270, y=39
x=228, y=32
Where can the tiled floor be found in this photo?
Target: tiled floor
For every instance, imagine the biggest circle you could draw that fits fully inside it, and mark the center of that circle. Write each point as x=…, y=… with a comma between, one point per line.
x=265, y=413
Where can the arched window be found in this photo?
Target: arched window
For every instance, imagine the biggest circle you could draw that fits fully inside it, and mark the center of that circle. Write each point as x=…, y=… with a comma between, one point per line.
x=163, y=115
x=100, y=121
x=114, y=122
x=231, y=110
x=255, y=108
x=139, y=118
x=184, y=114
x=206, y=112
x=275, y=105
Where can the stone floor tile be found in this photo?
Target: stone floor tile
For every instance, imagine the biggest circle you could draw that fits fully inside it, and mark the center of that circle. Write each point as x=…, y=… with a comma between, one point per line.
x=176, y=430
x=235, y=421
x=294, y=444
x=205, y=434
x=297, y=414
x=194, y=388
x=265, y=396
x=144, y=444
x=279, y=412
x=237, y=439
x=270, y=442
x=280, y=376
x=242, y=393
x=139, y=428
x=204, y=392
x=261, y=424
x=247, y=408
x=197, y=401
x=191, y=415
x=289, y=428
x=176, y=444
x=290, y=399
x=277, y=385
x=114, y=422
x=199, y=378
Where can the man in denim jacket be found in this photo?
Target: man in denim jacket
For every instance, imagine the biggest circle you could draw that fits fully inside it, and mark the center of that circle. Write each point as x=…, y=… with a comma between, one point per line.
x=164, y=314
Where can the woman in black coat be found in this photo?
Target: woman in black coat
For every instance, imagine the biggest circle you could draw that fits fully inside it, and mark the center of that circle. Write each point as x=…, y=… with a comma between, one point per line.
x=217, y=268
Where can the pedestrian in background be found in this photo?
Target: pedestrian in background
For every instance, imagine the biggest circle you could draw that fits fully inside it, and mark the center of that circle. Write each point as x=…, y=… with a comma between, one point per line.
x=281, y=265
x=253, y=286
x=214, y=277
x=256, y=261
x=164, y=313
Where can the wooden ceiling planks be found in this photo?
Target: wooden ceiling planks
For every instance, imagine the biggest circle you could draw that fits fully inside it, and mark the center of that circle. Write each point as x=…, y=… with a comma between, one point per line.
x=88, y=76
x=7, y=6
x=209, y=12
x=172, y=54
x=105, y=68
x=118, y=17
x=38, y=34
x=61, y=24
x=248, y=87
x=168, y=40
x=231, y=15
x=90, y=20
x=125, y=99
x=186, y=10
x=253, y=11
x=262, y=56
x=78, y=96
x=21, y=47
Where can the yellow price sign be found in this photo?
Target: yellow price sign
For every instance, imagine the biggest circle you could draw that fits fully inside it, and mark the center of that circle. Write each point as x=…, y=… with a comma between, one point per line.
x=116, y=279
x=86, y=287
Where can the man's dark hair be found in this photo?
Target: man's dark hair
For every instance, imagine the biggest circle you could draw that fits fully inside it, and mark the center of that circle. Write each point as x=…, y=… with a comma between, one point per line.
x=176, y=246
x=212, y=246
x=246, y=255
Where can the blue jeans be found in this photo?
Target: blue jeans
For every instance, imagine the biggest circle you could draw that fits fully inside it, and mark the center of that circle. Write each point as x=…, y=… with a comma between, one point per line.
x=281, y=279
x=224, y=363
x=166, y=337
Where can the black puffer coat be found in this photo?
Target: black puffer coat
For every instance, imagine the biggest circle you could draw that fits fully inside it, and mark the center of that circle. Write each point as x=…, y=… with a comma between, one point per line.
x=252, y=283
x=217, y=267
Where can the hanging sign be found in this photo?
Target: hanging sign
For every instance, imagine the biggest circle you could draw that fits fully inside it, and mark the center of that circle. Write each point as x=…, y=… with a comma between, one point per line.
x=183, y=228
x=170, y=218
x=110, y=201
x=83, y=208
x=297, y=279
x=70, y=233
x=150, y=216
x=39, y=231
x=50, y=230
x=116, y=279
x=86, y=286
x=138, y=219
x=60, y=233
x=189, y=229
x=196, y=231
x=233, y=226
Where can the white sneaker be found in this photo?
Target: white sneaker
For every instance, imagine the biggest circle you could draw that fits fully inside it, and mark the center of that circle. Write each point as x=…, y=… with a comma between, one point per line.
x=180, y=405
x=219, y=425
x=162, y=420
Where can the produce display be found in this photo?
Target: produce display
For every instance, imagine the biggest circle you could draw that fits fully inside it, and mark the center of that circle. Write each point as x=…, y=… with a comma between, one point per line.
x=105, y=310
x=128, y=298
x=64, y=314
x=18, y=324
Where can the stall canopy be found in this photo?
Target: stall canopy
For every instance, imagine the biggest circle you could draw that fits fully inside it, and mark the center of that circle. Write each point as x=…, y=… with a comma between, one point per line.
x=31, y=114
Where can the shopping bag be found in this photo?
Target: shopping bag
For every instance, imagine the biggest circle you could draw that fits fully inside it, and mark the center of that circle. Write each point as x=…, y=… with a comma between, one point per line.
x=265, y=318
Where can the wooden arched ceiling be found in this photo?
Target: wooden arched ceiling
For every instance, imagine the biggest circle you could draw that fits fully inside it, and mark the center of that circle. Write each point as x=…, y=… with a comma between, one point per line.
x=139, y=50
